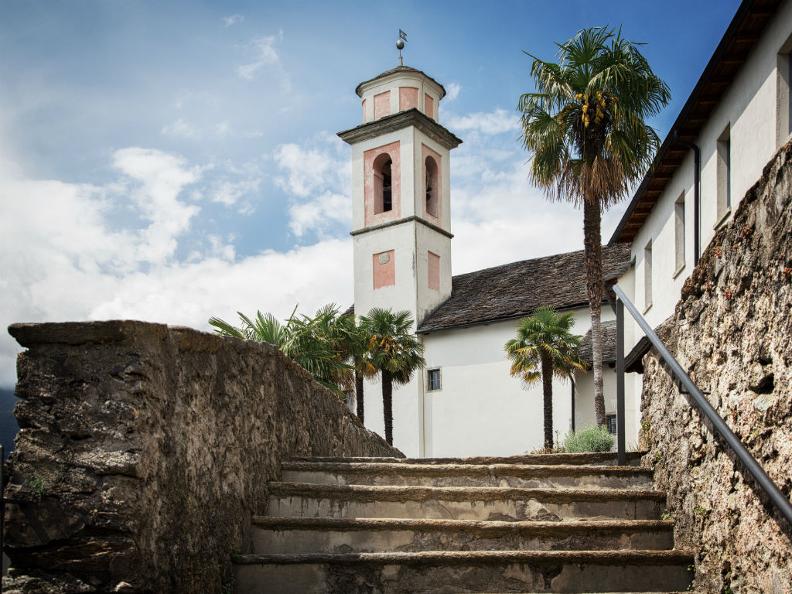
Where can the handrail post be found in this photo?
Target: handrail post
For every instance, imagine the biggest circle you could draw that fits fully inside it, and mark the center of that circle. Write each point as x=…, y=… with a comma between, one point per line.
x=620, y=423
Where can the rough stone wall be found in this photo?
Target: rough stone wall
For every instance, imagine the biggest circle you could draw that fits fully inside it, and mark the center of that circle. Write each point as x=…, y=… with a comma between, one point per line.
x=144, y=450
x=732, y=330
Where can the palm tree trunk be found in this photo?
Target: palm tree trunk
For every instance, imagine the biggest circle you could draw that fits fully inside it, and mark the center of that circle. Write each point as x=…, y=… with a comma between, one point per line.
x=593, y=253
x=387, y=405
x=547, y=389
x=359, y=402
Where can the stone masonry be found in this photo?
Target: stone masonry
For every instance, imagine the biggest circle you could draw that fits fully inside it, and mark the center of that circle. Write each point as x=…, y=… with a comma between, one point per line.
x=732, y=330
x=145, y=450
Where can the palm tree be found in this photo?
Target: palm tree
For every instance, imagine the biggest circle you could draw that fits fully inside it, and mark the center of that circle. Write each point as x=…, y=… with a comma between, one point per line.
x=586, y=128
x=395, y=351
x=544, y=347
x=355, y=345
x=316, y=343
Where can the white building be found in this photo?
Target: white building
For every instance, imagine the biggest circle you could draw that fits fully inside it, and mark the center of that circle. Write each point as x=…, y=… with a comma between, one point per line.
x=734, y=121
x=464, y=402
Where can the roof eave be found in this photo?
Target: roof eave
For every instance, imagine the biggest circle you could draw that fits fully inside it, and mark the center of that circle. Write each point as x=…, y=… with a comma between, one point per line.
x=705, y=96
x=397, y=121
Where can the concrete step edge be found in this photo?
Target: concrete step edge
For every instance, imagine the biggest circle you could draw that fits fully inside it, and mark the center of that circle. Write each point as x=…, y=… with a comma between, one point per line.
x=533, y=470
x=491, y=527
x=581, y=458
x=618, y=557
x=395, y=493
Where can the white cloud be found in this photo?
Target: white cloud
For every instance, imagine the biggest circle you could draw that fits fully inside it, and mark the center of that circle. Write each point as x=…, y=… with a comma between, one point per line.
x=180, y=128
x=63, y=258
x=233, y=19
x=231, y=193
x=157, y=180
x=492, y=122
x=321, y=215
x=316, y=176
x=306, y=170
x=264, y=54
x=452, y=91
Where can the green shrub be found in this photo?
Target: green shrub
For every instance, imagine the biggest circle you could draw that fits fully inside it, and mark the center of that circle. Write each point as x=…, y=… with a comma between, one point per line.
x=590, y=439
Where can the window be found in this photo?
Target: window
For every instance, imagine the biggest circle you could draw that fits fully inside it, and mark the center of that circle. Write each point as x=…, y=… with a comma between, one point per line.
x=611, y=424
x=784, y=93
x=648, y=276
x=387, y=195
x=433, y=380
x=430, y=165
x=679, y=233
x=724, y=174
x=383, y=184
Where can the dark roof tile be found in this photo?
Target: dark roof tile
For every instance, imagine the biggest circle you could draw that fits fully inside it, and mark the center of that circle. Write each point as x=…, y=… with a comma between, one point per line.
x=517, y=289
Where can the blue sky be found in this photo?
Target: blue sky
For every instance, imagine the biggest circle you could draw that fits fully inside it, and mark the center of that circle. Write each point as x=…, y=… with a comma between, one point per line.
x=171, y=160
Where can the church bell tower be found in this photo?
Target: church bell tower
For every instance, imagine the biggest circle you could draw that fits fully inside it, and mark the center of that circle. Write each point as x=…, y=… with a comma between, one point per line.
x=400, y=194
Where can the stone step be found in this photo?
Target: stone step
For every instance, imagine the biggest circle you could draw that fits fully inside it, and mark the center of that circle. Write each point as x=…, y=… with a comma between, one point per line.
x=465, y=571
x=596, y=458
x=462, y=503
x=463, y=475
x=328, y=535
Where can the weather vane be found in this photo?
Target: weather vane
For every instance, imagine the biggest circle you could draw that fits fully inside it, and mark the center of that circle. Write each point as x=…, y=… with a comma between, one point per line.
x=400, y=43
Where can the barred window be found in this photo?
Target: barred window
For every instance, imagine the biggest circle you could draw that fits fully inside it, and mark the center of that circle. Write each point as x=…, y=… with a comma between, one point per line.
x=433, y=380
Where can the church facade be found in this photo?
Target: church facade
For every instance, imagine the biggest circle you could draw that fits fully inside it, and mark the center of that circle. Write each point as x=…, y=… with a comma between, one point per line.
x=464, y=402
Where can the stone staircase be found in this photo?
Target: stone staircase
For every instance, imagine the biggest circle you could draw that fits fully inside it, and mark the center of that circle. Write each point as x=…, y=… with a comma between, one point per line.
x=536, y=523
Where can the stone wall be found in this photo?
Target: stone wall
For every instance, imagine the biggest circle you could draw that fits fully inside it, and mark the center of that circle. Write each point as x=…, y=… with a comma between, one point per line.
x=144, y=450
x=732, y=329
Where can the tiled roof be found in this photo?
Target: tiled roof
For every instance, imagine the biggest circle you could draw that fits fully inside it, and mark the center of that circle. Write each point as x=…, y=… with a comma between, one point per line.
x=608, y=344
x=515, y=290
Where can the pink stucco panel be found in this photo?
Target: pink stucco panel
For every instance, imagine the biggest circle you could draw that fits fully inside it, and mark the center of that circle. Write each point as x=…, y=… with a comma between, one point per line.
x=429, y=106
x=408, y=98
x=427, y=152
x=434, y=271
x=384, y=266
x=382, y=105
x=370, y=185
x=363, y=103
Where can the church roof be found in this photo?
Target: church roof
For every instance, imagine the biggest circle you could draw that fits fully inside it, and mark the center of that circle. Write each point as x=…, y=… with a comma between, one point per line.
x=397, y=70
x=608, y=344
x=515, y=290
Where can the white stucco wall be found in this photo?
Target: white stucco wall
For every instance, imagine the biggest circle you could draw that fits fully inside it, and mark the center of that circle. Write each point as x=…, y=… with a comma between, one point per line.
x=751, y=110
x=755, y=109
x=481, y=409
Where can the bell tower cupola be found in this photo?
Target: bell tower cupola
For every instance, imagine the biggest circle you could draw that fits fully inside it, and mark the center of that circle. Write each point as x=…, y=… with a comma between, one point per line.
x=401, y=200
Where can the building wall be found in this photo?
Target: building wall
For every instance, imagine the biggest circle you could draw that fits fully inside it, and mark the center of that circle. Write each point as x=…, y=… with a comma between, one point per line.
x=755, y=108
x=481, y=409
x=399, y=86
x=752, y=111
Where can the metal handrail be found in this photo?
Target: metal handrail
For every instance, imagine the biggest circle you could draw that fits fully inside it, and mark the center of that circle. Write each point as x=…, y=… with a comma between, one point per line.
x=777, y=498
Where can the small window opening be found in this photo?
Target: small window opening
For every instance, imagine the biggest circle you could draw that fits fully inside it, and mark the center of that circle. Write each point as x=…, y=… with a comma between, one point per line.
x=724, y=173
x=387, y=195
x=433, y=380
x=383, y=184
x=611, y=423
x=648, y=276
x=784, y=93
x=431, y=186
x=679, y=232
